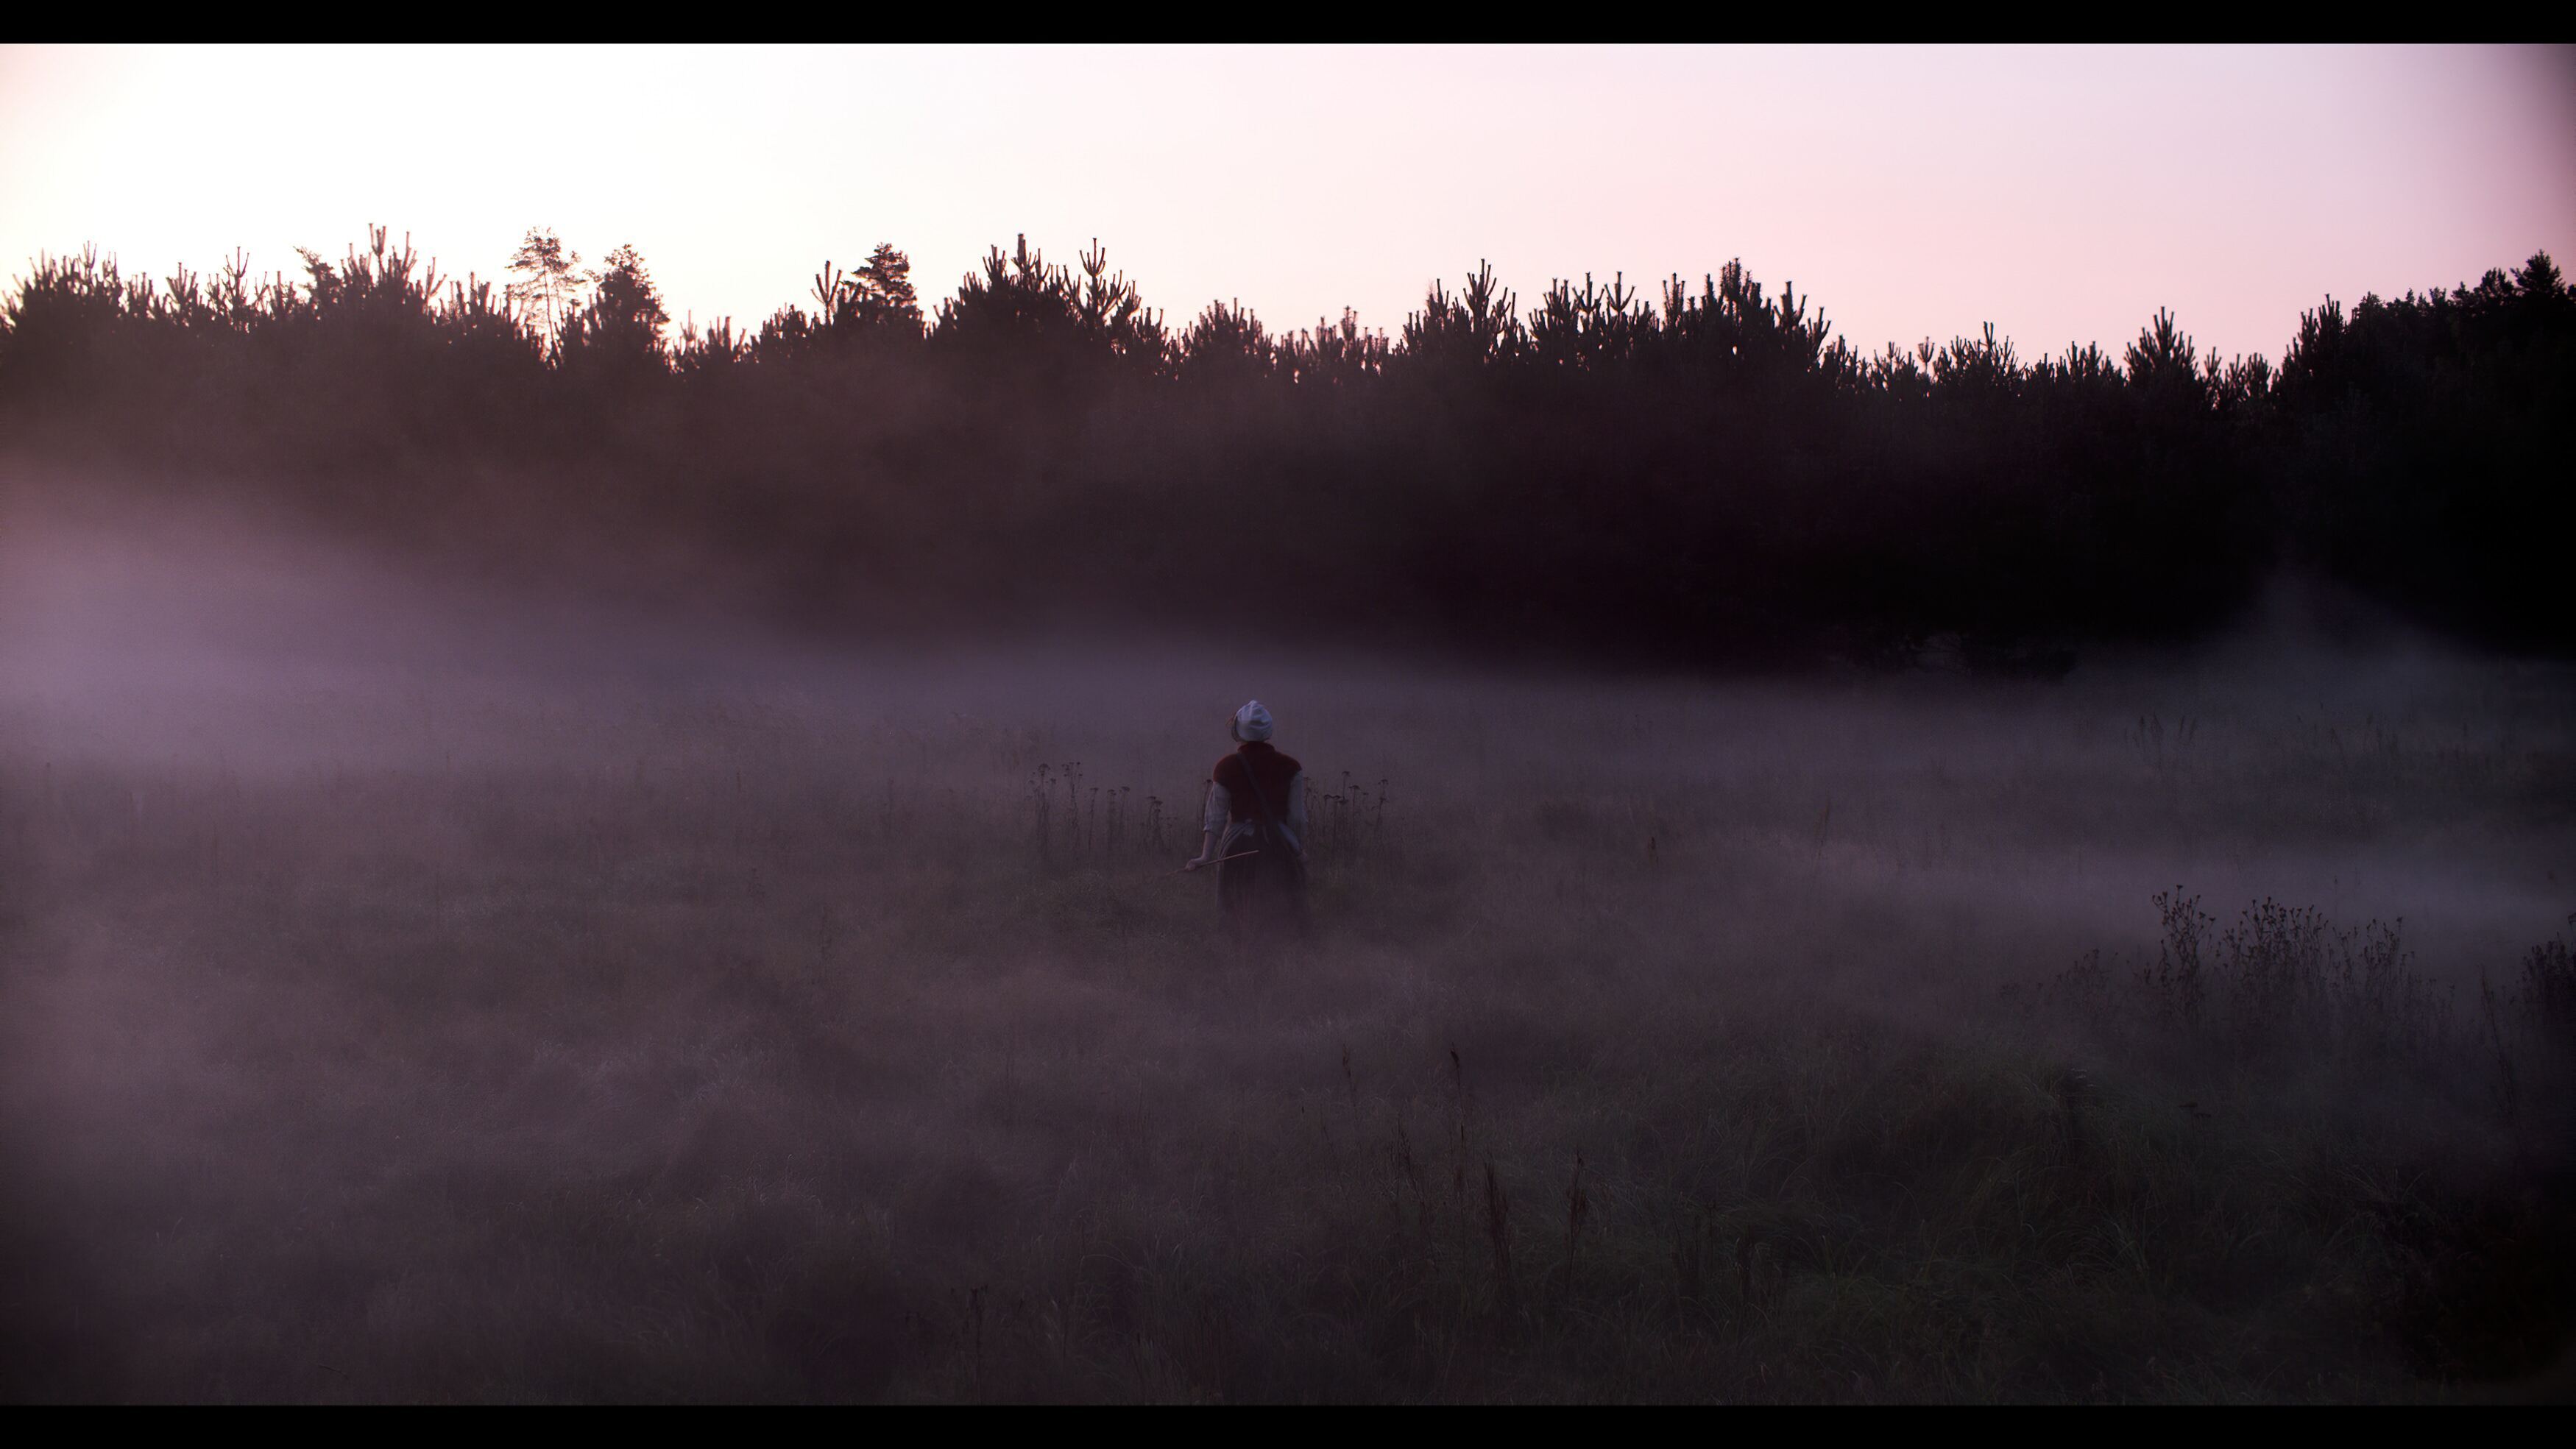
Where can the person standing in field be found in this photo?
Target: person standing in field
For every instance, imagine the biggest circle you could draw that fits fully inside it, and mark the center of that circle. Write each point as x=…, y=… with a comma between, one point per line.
x=1254, y=831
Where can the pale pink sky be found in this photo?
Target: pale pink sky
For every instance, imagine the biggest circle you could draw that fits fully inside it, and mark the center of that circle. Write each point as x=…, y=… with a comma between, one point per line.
x=2062, y=194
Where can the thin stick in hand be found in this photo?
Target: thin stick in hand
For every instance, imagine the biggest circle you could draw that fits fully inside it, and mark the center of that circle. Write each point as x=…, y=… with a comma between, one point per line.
x=1220, y=860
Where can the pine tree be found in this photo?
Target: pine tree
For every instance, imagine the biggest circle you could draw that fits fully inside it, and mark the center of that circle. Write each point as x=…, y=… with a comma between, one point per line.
x=885, y=284
x=625, y=318
x=550, y=277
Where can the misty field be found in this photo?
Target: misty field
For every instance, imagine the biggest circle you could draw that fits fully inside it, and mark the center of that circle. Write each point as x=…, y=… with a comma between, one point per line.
x=443, y=1003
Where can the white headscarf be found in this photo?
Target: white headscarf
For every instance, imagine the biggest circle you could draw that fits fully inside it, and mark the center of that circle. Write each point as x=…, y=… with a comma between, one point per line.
x=1252, y=722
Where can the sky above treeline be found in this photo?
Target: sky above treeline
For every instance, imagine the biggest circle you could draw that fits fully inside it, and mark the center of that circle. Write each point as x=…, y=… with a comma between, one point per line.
x=2062, y=194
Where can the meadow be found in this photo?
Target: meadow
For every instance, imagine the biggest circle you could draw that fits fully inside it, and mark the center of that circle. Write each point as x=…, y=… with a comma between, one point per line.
x=426, y=997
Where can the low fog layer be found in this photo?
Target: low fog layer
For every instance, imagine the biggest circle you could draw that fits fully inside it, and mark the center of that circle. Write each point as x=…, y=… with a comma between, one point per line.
x=173, y=650
x=402, y=976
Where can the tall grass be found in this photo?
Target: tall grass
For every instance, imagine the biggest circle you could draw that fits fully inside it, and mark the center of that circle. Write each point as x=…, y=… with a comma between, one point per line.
x=825, y=1036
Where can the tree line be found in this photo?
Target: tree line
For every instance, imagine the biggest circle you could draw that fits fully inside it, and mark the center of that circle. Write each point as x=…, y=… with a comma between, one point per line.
x=1701, y=473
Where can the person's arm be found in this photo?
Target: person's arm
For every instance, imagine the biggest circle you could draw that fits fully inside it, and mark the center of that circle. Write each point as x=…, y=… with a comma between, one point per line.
x=1297, y=811
x=1211, y=825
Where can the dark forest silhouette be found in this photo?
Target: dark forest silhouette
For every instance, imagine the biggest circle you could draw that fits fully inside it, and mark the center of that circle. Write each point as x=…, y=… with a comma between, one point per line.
x=1702, y=475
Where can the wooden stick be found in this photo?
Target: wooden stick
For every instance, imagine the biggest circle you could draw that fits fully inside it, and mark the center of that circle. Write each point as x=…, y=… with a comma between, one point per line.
x=1220, y=860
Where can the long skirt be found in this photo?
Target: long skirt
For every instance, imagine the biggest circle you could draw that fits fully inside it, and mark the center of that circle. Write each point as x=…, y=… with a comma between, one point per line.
x=1263, y=894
